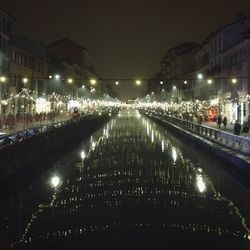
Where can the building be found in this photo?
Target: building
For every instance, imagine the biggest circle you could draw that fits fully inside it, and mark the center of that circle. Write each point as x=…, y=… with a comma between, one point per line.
x=6, y=20
x=28, y=73
x=76, y=65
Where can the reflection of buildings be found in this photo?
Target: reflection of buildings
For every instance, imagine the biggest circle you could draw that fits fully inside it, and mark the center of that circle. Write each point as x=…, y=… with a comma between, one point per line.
x=134, y=189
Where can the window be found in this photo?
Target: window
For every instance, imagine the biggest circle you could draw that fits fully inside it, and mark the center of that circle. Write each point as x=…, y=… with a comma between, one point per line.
x=13, y=55
x=25, y=61
x=20, y=58
x=30, y=62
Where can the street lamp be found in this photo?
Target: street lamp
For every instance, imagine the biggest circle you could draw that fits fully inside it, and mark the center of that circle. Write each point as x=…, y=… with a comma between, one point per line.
x=234, y=80
x=185, y=82
x=200, y=76
x=70, y=80
x=93, y=81
x=116, y=83
x=25, y=80
x=161, y=82
x=57, y=76
x=209, y=81
x=174, y=87
x=2, y=79
x=138, y=82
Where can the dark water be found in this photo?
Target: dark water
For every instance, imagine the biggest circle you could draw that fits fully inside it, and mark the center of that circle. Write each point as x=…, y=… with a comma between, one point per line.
x=132, y=185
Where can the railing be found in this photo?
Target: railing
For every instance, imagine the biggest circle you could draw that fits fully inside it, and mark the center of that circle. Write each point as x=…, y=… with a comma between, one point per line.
x=11, y=139
x=238, y=143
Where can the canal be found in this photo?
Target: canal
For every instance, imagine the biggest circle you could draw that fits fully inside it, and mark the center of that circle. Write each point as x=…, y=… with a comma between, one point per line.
x=130, y=185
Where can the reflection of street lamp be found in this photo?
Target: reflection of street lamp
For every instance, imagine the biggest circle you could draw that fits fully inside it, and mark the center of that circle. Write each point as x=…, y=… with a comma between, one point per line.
x=55, y=181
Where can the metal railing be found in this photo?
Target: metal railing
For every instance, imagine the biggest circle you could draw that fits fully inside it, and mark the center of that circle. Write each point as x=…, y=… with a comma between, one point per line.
x=238, y=143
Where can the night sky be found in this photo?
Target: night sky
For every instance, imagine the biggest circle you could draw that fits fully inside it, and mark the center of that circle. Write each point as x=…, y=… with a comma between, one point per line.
x=125, y=38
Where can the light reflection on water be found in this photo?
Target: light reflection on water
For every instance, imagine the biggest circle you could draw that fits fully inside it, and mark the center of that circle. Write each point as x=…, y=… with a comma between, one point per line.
x=133, y=179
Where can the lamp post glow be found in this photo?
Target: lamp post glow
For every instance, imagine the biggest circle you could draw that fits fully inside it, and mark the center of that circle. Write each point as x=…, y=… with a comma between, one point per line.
x=57, y=76
x=50, y=76
x=234, y=80
x=185, y=82
x=25, y=80
x=138, y=82
x=93, y=81
x=2, y=79
x=161, y=82
x=116, y=83
x=209, y=81
x=174, y=87
x=200, y=76
x=70, y=80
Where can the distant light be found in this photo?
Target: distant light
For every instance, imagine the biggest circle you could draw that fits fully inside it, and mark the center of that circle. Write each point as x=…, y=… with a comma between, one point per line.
x=2, y=79
x=70, y=80
x=174, y=154
x=234, y=80
x=174, y=87
x=200, y=76
x=57, y=77
x=83, y=155
x=50, y=76
x=200, y=183
x=116, y=83
x=161, y=82
x=152, y=93
x=55, y=181
x=185, y=82
x=209, y=81
x=25, y=80
x=93, y=81
x=138, y=82
x=83, y=86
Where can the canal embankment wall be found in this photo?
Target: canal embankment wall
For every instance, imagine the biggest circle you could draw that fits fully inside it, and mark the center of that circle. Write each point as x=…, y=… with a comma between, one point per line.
x=235, y=159
x=29, y=151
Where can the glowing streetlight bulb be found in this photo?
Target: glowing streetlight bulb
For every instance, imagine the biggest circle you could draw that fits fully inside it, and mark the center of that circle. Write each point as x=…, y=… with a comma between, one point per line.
x=57, y=77
x=93, y=81
x=70, y=80
x=234, y=80
x=50, y=76
x=185, y=82
x=209, y=81
x=116, y=83
x=2, y=79
x=25, y=80
x=200, y=76
x=138, y=82
x=161, y=82
x=55, y=181
x=174, y=87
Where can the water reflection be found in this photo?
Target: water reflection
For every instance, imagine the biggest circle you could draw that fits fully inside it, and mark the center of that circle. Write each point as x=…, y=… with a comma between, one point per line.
x=133, y=184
